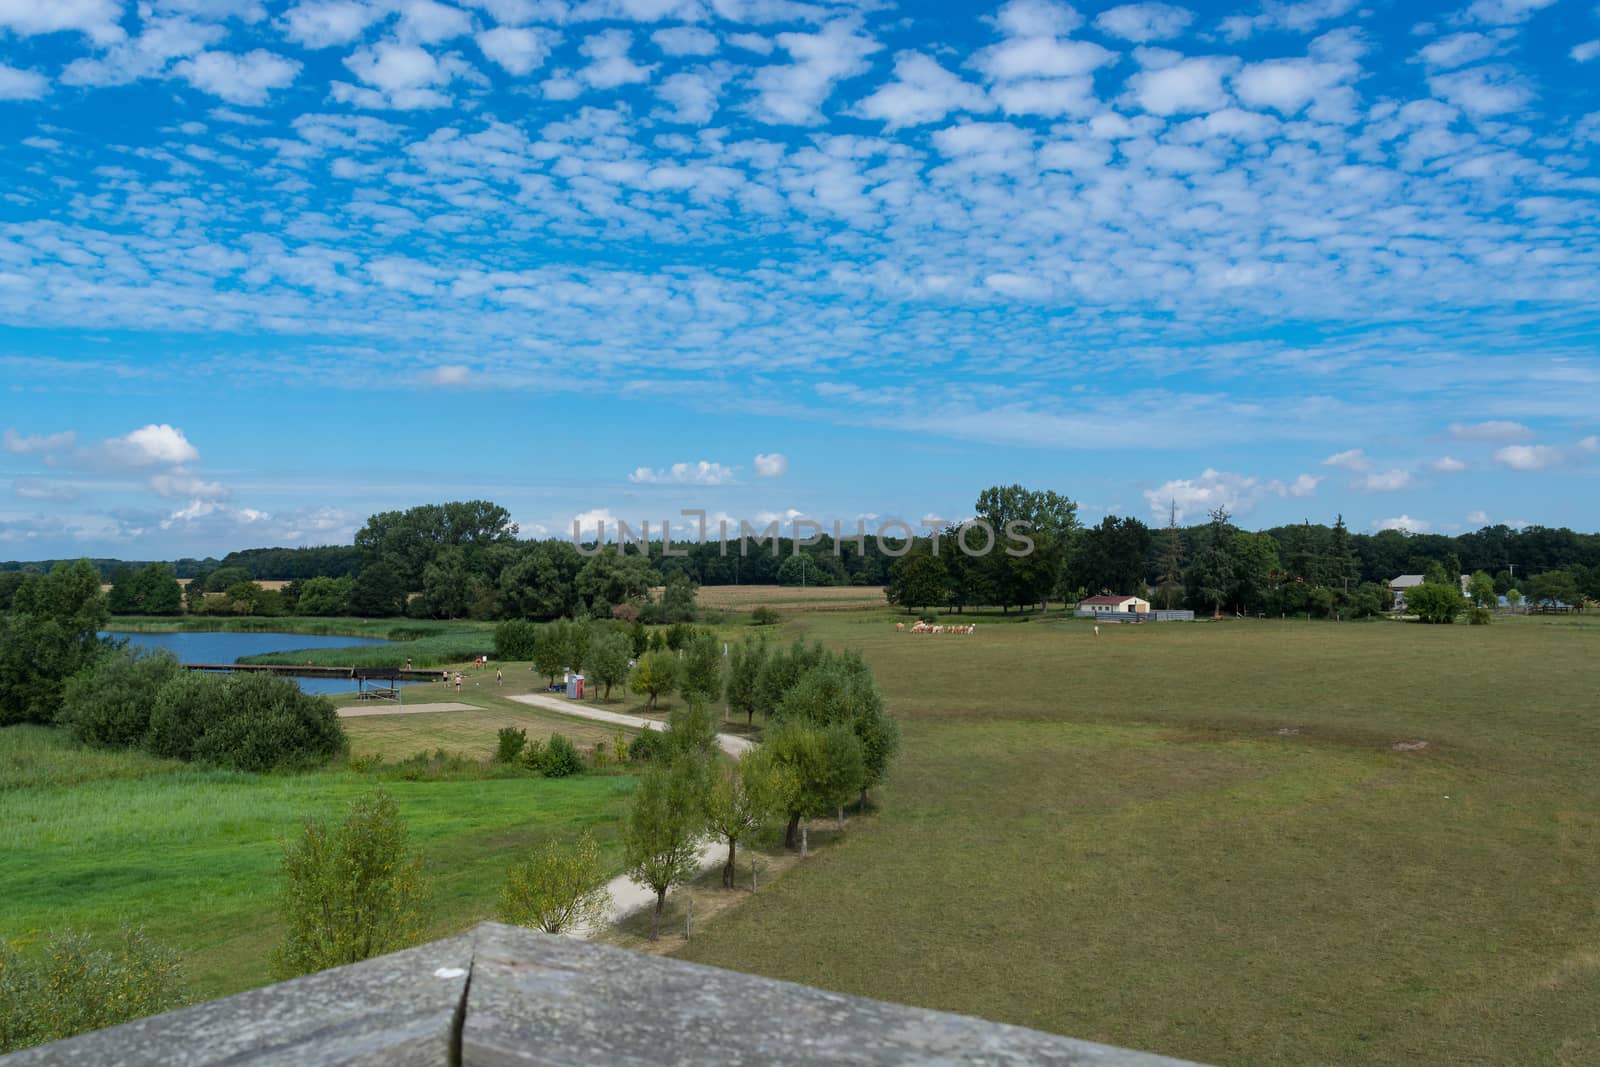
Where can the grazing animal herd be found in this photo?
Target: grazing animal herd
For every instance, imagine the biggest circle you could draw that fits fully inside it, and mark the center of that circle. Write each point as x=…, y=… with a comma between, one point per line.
x=920, y=627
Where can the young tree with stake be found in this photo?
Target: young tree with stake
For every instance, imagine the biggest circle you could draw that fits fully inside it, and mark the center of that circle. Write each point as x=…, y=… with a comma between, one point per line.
x=665, y=825
x=744, y=799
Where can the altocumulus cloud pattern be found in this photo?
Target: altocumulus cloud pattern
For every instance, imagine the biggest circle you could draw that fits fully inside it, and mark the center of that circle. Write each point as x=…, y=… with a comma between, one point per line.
x=1296, y=222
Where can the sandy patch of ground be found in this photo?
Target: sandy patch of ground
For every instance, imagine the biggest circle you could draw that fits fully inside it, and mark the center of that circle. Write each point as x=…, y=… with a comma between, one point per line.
x=358, y=710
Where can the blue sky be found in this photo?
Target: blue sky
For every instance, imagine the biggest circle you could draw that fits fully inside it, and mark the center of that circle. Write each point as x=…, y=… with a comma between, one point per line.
x=268, y=267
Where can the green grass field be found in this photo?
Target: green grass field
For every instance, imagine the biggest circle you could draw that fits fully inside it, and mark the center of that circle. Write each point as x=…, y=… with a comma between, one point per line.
x=1199, y=839
x=95, y=840
x=1218, y=841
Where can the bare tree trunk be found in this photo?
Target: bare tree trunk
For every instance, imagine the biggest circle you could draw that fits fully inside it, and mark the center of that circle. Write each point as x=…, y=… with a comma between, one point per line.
x=655, y=920
x=791, y=836
x=727, y=871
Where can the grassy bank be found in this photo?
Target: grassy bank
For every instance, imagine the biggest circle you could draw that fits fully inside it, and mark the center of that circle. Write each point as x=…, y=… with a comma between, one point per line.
x=342, y=626
x=437, y=650
x=95, y=840
x=1201, y=839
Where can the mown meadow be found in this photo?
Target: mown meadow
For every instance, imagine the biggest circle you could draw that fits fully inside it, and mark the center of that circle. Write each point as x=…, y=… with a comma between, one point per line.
x=96, y=840
x=1243, y=842
x=1221, y=841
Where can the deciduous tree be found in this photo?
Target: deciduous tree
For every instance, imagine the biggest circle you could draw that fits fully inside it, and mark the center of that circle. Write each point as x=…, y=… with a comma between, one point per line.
x=665, y=825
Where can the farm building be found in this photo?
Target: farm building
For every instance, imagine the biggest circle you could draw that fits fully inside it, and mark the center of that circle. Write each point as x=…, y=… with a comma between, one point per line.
x=1113, y=604
x=1398, y=587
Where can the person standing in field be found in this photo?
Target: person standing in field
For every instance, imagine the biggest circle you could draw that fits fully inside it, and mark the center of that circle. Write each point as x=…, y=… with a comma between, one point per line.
x=499, y=679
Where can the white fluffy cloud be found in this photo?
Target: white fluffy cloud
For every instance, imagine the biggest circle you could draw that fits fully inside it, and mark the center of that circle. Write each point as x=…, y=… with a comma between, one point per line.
x=402, y=76
x=1037, y=18
x=19, y=444
x=771, y=464
x=1174, y=85
x=609, y=64
x=1295, y=16
x=518, y=50
x=922, y=92
x=1238, y=493
x=1448, y=465
x=325, y=23
x=701, y=473
x=1583, y=53
x=1544, y=457
x=180, y=483
x=1458, y=49
x=1483, y=91
x=1493, y=430
x=152, y=444
x=685, y=41
x=1390, y=481
x=1353, y=460
x=1403, y=523
x=1142, y=23
x=451, y=374
x=793, y=93
x=245, y=79
x=96, y=19
x=1505, y=12
x=1288, y=85
x=17, y=84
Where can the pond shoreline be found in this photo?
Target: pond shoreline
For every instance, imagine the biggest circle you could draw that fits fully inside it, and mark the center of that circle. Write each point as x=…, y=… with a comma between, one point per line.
x=391, y=629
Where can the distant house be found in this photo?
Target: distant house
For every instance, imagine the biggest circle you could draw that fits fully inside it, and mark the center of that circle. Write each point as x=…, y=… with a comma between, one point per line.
x=1110, y=605
x=1398, y=587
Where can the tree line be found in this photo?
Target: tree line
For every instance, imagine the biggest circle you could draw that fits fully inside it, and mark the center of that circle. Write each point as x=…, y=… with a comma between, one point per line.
x=464, y=559
x=1314, y=569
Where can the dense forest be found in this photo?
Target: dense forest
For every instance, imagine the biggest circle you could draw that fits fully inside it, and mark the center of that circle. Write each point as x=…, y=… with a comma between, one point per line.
x=465, y=559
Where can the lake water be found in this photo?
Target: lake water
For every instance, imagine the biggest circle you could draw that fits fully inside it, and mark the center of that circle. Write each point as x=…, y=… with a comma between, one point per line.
x=229, y=647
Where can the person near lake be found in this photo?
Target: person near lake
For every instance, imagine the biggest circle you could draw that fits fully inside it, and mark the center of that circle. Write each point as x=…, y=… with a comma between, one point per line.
x=408, y=663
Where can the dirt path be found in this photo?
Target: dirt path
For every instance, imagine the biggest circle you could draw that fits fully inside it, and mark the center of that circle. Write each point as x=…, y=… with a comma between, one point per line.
x=733, y=746
x=627, y=896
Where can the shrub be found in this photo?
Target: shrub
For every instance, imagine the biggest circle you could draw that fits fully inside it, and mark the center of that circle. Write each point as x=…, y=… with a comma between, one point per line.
x=66, y=986
x=557, y=888
x=1434, y=602
x=515, y=639
x=764, y=616
x=560, y=758
x=432, y=767
x=512, y=741
x=649, y=745
x=349, y=891
x=533, y=755
x=250, y=722
x=108, y=703
x=1480, y=617
x=367, y=763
